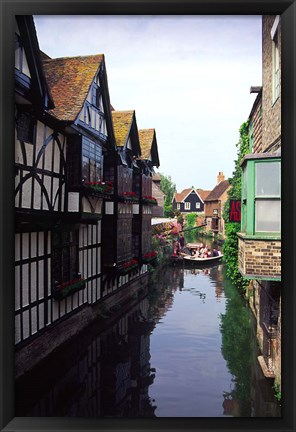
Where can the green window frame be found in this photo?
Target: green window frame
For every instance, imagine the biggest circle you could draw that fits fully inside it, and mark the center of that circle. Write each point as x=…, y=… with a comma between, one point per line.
x=261, y=195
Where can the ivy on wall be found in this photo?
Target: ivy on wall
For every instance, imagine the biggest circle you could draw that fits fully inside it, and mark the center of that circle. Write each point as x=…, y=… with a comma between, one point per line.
x=230, y=248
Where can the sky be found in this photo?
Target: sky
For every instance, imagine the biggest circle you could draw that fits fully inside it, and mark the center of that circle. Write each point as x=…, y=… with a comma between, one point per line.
x=188, y=77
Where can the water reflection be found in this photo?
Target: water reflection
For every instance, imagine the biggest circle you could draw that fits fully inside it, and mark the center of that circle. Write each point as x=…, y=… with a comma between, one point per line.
x=187, y=349
x=97, y=375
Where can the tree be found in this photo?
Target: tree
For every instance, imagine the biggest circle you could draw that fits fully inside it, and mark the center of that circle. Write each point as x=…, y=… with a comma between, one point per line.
x=168, y=188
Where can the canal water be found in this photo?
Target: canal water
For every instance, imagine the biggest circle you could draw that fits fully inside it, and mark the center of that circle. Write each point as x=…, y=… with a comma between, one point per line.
x=187, y=349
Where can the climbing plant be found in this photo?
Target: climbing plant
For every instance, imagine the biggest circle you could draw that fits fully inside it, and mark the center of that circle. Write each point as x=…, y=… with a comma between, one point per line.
x=230, y=248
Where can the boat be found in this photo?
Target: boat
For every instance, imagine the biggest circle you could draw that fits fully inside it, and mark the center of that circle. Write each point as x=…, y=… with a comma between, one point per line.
x=177, y=259
x=195, y=259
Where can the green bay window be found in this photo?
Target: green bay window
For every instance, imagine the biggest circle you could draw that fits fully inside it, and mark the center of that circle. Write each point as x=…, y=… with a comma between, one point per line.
x=261, y=195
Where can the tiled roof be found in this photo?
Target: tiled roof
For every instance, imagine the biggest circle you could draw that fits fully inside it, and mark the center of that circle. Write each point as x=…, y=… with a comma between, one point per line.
x=146, y=137
x=122, y=122
x=69, y=80
x=156, y=177
x=180, y=196
x=203, y=193
x=218, y=191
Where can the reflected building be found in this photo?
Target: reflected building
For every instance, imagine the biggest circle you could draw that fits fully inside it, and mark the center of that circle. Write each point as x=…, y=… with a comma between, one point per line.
x=99, y=375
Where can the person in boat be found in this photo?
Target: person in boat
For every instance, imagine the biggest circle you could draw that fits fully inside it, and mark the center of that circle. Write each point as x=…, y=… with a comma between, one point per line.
x=215, y=252
x=182, y=241
x=201, y=251
x=204, y=252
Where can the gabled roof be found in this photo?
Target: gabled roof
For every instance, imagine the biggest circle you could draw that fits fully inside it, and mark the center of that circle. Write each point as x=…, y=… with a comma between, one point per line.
x=148, y=145
x=122, y=122
x=203, y=193
x=40, y=85
x=180, y=197
x=218, y=191
x=125, y=126
x=69, y=79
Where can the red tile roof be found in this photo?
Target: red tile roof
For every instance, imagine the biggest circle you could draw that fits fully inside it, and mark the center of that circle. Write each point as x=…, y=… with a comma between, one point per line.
x=218, y=191
x=69, y=80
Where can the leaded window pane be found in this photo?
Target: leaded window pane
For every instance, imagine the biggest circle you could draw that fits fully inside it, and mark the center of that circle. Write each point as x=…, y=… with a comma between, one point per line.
x=268, y=179
x=268, y=215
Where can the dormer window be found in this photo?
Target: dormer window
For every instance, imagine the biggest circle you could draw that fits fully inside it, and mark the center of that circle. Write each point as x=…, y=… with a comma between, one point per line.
x=96, y=97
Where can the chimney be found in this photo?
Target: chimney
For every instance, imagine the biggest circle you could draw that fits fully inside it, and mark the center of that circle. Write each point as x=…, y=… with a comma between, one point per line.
x=220, y=177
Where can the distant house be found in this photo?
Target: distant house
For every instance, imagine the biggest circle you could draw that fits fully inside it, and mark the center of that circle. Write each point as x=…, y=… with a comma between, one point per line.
x=214, y=205
x=157, y=211
x=190, y=200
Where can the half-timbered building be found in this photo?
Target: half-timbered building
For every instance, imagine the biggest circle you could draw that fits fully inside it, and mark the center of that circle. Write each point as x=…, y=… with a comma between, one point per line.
x=149, y=160
x=75, y=195
x=121, y=260
x=59, y=186
x=190, y=200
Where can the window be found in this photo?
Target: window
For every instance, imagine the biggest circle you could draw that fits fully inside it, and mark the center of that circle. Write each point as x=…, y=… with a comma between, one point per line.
x=267, y=197
x=275, y=59
x=64, y=254
x=25, y=126
x=261, y=195
x=187, y=206
x=178, y=206
x=197, y=205
x=96, y=97
x=91, y=160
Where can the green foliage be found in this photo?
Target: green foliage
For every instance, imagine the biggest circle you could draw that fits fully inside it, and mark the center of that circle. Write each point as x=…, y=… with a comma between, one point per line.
x=180, y=217
x=168, y=211
x=236, y=180
x=168, y=188
x=236, y=326
x=277, y=391
x=230, y=251
x=230, y=248
x=191, y=219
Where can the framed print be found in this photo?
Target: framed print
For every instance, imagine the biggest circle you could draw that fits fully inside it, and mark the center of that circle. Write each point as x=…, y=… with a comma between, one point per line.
x=127, y=302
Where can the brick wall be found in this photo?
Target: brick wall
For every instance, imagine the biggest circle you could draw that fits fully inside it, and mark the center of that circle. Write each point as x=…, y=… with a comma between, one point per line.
x=256, y=119
x=259, y=258
x=158, y=211
x=271, y=111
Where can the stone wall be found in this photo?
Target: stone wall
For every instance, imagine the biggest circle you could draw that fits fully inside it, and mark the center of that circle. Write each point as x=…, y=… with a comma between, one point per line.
x=271, y=110
x=259, y=258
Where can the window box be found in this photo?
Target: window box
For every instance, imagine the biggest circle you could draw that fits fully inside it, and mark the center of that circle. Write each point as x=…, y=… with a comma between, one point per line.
x=62, y=290
x=149, y=200
x=128, y=197
x=149, y=257
x=98, y=188
x=127, y=267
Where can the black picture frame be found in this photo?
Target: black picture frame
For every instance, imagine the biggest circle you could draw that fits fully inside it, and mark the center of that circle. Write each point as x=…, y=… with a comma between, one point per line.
x=10, y=8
